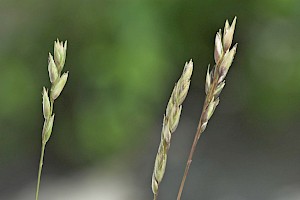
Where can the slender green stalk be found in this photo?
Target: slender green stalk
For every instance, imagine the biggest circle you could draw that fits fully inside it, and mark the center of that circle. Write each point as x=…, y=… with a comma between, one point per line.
x=40, y=172
x=58, y=82
x=214, y=84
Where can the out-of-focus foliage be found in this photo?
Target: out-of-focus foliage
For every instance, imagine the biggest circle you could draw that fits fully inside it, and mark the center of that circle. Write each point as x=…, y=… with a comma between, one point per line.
x=124, y=57
x=116, y=63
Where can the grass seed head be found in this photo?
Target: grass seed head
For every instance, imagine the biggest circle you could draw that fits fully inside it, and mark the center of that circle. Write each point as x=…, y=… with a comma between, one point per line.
x=170, y=123
x=228, y=34
x=52, y=69
x=59, y=86
x=60, y=53
x=218, y=47
x=47, y=130
x=46, y=104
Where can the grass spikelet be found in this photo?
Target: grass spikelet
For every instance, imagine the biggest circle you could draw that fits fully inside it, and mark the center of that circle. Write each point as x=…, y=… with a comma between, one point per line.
x=58, y=82
x=170, y=123
x=214, y=84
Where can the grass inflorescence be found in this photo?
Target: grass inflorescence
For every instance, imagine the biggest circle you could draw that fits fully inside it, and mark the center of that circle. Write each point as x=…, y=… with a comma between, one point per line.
x=58, y=81
x=215, y=82
x=170, y=123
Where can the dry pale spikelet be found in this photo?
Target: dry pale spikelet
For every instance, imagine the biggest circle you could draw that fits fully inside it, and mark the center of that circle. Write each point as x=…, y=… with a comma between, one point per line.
x=46, y=104
x=59, y=86
x=170, y=123
x=52, y=69
x=228, y=34
x=60, y=53
x=47, y=129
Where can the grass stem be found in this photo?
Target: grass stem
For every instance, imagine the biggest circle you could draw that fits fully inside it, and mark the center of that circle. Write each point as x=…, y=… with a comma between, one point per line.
x=40, y=172
x=196, y=138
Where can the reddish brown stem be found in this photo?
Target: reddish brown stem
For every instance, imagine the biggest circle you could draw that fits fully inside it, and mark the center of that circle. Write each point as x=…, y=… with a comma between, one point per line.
x=199, y=129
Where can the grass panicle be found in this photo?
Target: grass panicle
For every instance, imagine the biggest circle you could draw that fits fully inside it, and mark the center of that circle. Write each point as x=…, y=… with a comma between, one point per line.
x=58, y=81
x=214, y=84
x=170, y=123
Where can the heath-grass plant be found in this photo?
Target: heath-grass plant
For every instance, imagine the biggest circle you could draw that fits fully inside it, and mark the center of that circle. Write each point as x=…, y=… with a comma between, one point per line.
x=58, y=81
x=215, y=82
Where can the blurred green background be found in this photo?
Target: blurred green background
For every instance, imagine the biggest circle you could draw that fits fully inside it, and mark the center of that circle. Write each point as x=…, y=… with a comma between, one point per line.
x=124, y=58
